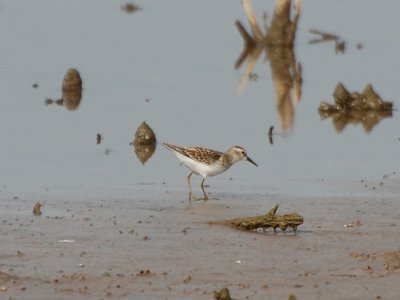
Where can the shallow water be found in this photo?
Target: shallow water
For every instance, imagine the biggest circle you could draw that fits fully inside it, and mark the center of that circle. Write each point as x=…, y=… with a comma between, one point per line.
x=172, y=65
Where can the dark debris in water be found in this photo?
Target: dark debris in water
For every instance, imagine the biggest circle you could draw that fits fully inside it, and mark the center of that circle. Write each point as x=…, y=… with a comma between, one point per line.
x=98, y=138
x=366, y=108
x=340, y=45
x=130, y=8
x=270, y=134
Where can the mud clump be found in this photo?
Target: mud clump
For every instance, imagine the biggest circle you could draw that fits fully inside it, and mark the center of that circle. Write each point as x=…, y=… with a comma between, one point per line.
x=270, y=219
x=367, y=100
x=366, y=108
x=144, y=143
x=71, y=91
x=72, y=80
x=145, y=135
x=4, y=277
x=222, y=294
x=392, y=261
x=145, y=273
x=37, y=209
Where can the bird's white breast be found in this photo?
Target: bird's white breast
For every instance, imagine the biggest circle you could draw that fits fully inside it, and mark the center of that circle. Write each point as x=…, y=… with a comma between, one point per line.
x=201, y=169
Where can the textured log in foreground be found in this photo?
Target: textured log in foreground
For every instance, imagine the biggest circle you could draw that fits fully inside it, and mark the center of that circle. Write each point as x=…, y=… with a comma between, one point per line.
x=270, y=219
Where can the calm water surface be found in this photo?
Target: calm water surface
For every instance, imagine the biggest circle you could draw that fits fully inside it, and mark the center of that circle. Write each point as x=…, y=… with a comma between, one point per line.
x=172, y=64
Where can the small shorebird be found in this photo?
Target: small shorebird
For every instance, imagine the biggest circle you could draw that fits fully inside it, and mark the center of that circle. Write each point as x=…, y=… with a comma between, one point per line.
x=206, y=162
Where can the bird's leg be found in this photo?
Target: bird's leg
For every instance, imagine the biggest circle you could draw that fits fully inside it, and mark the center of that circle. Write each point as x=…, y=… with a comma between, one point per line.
x=202, y=187
x=190, y=188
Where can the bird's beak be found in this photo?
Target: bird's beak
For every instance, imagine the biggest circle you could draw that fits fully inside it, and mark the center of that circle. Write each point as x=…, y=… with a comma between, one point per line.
x=250, y=160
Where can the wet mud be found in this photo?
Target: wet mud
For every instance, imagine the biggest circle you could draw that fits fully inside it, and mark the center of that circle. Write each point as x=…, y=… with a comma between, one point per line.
x=163, y=247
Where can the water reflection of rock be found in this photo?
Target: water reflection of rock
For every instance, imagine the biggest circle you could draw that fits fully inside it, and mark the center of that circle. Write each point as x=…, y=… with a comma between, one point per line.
x=71, y=91
x=144, y=143
x=278, y=44
x=366, y=108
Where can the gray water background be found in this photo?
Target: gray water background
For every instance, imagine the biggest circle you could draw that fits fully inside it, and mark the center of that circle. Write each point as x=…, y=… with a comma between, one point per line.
x=180, y=55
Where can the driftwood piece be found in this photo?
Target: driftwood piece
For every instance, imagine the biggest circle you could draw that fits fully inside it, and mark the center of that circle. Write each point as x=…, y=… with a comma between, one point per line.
x=270, y=219
x=281, y=31
x=366, y=108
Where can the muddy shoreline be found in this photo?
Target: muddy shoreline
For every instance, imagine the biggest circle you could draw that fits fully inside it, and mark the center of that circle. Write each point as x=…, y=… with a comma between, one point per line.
x=162, y=247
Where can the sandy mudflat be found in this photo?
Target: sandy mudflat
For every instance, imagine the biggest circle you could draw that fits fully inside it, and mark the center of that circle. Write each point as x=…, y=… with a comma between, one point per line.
x=162, y=247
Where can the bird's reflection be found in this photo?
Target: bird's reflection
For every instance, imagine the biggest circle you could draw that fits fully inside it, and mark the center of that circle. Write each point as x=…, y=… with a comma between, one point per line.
x=278, y=44
x=71, y=91
x=144, y=143
x=366, y=108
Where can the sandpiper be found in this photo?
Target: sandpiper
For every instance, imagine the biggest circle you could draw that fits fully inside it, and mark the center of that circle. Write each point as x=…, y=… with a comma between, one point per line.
x=206, y=162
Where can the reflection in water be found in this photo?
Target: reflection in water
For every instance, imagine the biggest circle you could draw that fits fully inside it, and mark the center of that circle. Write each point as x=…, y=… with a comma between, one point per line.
x=144, y=152
x=71, y=91
x=340, y=45
x=366, y=108
x=144, y=143
x=278, y=44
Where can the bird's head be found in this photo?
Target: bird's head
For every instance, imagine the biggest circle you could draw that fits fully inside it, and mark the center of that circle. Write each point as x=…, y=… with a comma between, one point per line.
x=239, y=153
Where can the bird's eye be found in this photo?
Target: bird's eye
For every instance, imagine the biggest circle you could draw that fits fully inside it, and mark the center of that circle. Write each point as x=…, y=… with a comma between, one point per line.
x=243, y=152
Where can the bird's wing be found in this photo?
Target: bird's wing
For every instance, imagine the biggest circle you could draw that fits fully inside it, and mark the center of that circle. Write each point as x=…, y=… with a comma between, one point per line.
x=201, y=154
x=197, y=153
